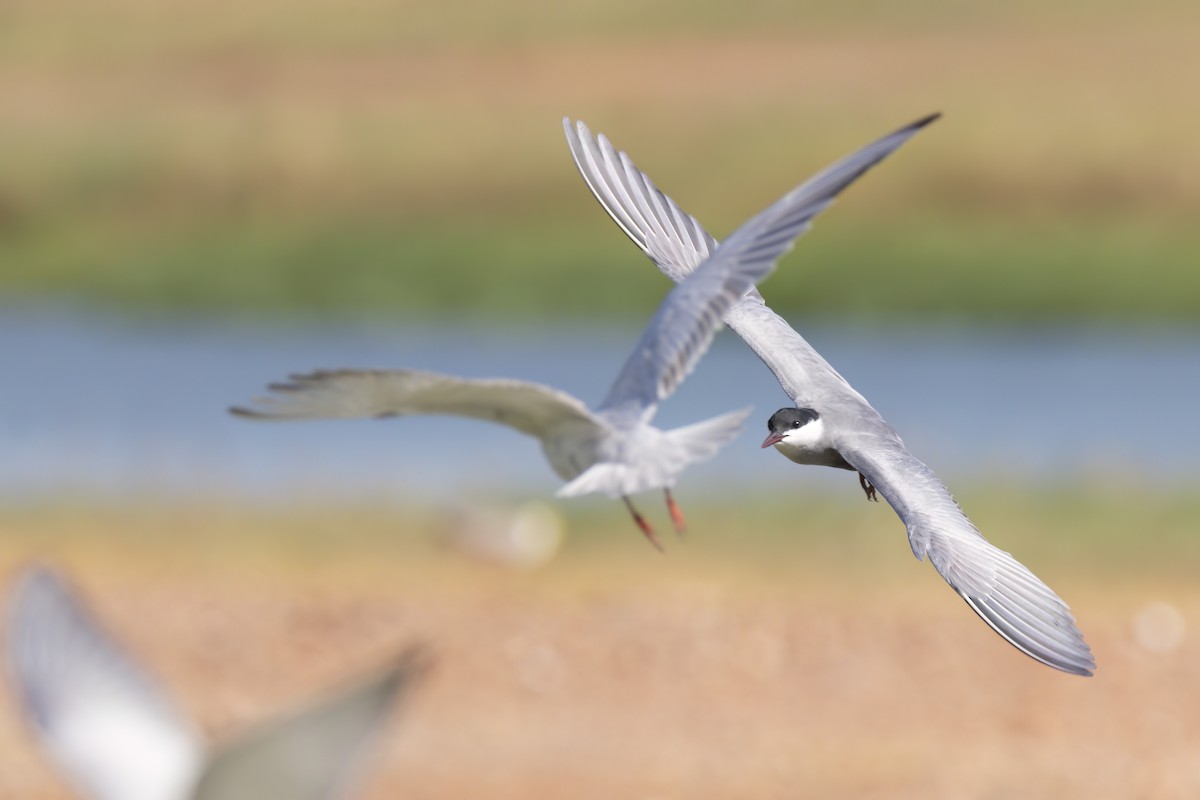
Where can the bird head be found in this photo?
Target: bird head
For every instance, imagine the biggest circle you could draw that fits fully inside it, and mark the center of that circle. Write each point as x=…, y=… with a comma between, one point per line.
x=786, y=422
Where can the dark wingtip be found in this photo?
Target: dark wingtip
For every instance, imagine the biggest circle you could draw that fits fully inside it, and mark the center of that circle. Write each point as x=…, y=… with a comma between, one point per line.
x=923, y=121
x=416, y=660
x=248, y=413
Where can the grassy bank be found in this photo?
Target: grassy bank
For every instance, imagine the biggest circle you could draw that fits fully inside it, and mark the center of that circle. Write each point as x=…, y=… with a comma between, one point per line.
x=487, y=268
x=303, y=157
x=1099, y=529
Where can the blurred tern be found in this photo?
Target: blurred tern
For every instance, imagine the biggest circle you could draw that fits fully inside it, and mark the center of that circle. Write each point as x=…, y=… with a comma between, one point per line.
x=832, y=424
x=614, y=449
x=116, y=736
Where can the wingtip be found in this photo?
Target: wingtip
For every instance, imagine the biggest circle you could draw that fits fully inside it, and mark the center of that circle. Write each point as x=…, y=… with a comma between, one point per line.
x=36, y=572
x=926, y=120
x=407, y=668
x=575, y=128
x=1073, y=658
x=414, y=662
x=37, y=578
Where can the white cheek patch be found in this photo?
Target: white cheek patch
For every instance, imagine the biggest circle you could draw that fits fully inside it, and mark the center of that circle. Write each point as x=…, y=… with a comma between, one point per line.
x=804, y=437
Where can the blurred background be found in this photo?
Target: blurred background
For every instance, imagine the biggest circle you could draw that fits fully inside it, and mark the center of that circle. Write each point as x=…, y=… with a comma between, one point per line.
x=199, y=198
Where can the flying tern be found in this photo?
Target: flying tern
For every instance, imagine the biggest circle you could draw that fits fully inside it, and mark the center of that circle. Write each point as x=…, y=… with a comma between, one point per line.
x=833, y=425
x=116, y=736
x=614, y=449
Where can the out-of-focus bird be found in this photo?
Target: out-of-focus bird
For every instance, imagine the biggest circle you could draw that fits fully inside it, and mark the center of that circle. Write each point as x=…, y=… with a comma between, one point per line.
x=614, y=449
x=115, y=735
x=832, y=424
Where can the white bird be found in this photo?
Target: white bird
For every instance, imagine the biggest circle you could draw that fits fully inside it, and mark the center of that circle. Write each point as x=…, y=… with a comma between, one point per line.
x=831, y=423
x=613, y=449
x=116, y=736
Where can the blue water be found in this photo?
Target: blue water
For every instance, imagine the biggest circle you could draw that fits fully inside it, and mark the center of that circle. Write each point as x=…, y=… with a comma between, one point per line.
x=106, y=408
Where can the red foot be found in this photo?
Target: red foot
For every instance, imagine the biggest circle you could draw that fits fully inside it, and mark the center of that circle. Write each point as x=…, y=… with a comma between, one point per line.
x=645, y=527
x=677, y=517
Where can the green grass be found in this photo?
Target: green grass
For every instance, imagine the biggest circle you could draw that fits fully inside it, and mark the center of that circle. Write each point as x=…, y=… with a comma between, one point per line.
x=407, y=160
x=1099, y=530
x=973, y=269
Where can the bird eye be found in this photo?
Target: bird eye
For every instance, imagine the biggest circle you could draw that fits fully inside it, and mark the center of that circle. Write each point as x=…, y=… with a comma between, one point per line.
x=796, y=424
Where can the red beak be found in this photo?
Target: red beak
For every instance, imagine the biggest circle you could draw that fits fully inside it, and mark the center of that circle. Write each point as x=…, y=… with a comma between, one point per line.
x=774, y=438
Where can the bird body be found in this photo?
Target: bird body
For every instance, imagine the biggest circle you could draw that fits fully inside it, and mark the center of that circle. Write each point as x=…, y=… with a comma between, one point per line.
x=832, y=424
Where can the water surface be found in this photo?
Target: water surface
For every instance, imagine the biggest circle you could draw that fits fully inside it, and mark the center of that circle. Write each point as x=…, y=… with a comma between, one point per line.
x=103, y=407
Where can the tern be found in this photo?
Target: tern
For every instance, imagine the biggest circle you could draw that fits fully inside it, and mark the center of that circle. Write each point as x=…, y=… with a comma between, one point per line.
x=614, y=449
x=833, y=425
x=116, y=736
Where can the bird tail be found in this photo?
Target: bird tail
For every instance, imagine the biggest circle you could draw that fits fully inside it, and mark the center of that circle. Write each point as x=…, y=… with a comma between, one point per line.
x=686, y=445
x=700, y=441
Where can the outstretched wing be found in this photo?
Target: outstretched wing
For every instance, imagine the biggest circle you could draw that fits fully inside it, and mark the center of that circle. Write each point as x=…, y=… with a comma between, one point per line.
x=686, y=321
x=352, y=393
x=678, y=244
x=100, y=719
x=1000, y=589
x=314, y=754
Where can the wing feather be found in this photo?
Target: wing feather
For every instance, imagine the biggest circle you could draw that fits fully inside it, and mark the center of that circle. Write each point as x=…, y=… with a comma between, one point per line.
x=531, y=408
x=677, y=250
x=1001, y=590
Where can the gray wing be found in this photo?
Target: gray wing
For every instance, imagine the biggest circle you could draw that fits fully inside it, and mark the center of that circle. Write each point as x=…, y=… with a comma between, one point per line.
x=350, y=393
x=677, y=244
x=314, y=754
x=1000, y=589
x=688, y=318
x=99, y=718
x=673, y=238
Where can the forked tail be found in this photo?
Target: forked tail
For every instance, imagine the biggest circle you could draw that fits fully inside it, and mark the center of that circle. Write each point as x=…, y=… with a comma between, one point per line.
x=680, y=448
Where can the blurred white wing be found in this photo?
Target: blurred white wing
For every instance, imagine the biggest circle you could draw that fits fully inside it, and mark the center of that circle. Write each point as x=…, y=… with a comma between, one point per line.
x=350, y=393
x=106, y=725
x=1005, y=594
x=677, y=243
x=314, y=754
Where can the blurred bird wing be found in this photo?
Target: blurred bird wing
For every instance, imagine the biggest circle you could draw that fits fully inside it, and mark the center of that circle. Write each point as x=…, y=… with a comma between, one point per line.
x=314, y=754
x=678, y=244
x=531, y=408
x=688, y=318
x=1001, y=590
x=101, y=720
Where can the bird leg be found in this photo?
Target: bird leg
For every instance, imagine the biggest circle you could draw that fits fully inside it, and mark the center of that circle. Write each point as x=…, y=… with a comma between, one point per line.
x=676, y=513
x=867, y=487
x=642, y=524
